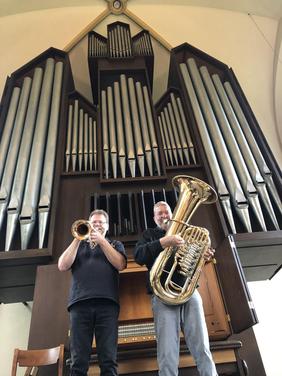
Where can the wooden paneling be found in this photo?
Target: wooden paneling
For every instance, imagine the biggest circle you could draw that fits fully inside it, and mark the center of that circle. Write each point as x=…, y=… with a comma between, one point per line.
x=215, y=311
x=135, y=303
x=50, y=323
x=261, y=257
x=225, y=355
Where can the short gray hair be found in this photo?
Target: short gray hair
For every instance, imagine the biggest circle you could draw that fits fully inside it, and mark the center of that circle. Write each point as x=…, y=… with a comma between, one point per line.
x=100, y=211
x=160, y=203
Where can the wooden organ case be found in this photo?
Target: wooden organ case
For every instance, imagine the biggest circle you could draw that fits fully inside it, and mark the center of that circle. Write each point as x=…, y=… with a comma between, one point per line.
x=120, y=154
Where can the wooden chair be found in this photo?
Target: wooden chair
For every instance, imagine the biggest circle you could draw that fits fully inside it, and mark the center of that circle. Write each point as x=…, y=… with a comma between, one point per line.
x=32, y=359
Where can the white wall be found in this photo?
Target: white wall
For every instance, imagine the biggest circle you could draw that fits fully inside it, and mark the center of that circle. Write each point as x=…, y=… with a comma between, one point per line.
x=267, y=300
x=243, y=42
x=24, y=36
x=14, y=331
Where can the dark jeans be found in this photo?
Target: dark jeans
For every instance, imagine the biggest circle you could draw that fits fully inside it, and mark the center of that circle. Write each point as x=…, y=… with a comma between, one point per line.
x=99, y=316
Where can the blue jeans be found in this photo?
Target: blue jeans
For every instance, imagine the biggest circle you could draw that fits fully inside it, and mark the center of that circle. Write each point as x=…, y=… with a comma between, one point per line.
x=99, y=316
x=188, y=317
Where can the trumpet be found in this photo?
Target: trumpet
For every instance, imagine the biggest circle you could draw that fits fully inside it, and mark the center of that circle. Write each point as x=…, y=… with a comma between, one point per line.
x=81, y=230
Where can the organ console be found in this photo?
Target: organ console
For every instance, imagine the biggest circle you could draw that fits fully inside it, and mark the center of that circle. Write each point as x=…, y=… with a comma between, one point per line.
x=63, y=156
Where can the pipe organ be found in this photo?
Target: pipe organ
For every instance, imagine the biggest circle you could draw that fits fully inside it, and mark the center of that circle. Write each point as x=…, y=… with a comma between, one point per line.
x=175, y=134
x=81, y=143
x=121, y=208
x=128, y=132
x=241, y=187
x=62, y=156
x=29, y=142
x=120, y=43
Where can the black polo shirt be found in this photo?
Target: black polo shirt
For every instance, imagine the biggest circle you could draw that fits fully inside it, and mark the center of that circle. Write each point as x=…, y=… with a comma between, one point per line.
x=147, y=250
x=93, y=276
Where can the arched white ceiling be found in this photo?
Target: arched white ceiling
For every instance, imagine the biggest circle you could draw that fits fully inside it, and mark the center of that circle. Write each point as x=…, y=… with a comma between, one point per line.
x=265, y=8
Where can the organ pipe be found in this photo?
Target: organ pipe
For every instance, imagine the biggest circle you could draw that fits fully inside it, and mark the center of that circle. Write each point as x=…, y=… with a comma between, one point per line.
x=232, y=181
x=171, y=135
x=175, y=132
x=245, y=149
x=163, y=139
x=186, y=130
x=112, y=131
x=144, y=126
x=219, y=180
x=266, y=173
x=44, y=205
x=175, y=111
x=69, y=137
x=8, y=128
x=10, y=165
x=90, y=132
x=30, y=200
x=151, y=129
x=94, y=127
x=86, y=142
x=120, y=129
x=127, y=125
x=105, y=132
x=167, y=138
x=17, y=191
x=80, y=138
x=223, y=126
x=136, y=126
x=74, y=148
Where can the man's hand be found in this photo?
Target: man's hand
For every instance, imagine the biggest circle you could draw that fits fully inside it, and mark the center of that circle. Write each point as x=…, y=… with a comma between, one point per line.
x=96, y=237
x=209, y=253
x=113, y=256
x=171, y=241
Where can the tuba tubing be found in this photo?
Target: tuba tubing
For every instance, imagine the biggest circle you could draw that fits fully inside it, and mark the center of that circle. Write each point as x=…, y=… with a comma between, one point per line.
x=176, y=271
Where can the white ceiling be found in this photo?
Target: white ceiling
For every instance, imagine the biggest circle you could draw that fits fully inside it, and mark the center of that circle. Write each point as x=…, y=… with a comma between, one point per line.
x=265, y=8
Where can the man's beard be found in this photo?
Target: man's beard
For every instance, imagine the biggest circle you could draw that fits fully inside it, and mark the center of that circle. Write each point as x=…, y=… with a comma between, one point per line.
x=164, y=224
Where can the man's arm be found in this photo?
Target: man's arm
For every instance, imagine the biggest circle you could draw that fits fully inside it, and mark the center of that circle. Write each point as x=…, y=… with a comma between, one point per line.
x=113, y=256
x=68, y=256
x=147, y=249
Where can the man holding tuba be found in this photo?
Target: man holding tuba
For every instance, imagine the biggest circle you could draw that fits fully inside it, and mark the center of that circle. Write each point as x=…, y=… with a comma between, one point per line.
x=93, y=302
x=169, y=319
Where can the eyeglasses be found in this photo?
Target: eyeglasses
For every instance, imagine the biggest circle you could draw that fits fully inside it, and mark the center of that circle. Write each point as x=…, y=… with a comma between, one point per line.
x=98, y=223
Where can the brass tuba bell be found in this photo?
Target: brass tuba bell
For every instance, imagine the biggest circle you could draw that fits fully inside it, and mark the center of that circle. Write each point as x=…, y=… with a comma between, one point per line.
x=176, y=271
x=81, y=229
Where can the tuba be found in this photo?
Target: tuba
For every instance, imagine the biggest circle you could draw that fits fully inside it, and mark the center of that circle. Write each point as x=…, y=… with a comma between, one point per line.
x=176, y=271
x=81, y=229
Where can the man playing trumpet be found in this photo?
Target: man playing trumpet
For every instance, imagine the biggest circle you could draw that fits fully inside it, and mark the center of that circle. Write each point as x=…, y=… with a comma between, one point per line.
x=94, y=302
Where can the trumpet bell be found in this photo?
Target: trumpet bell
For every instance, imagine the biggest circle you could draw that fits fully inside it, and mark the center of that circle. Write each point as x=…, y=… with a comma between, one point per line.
x=81, y=229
